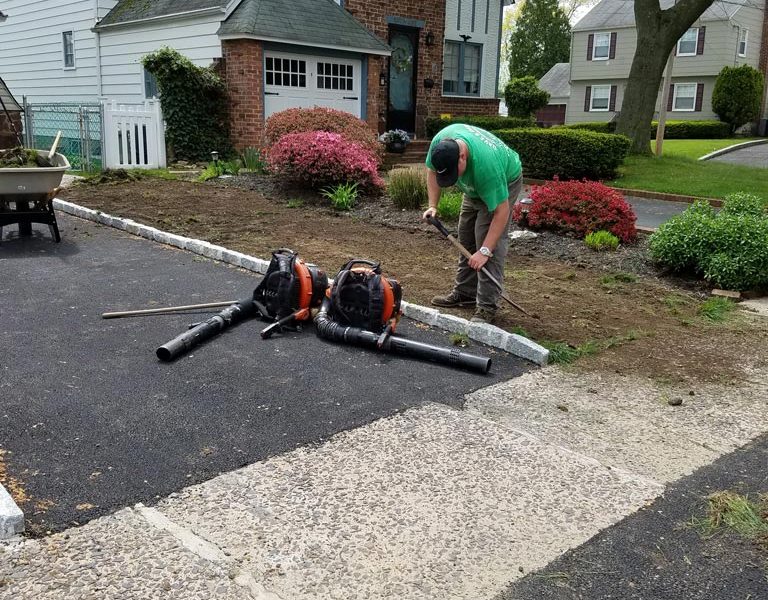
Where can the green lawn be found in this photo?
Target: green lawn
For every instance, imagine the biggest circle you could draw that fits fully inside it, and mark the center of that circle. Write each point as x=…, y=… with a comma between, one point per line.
x=697, y=148
x=678, y=172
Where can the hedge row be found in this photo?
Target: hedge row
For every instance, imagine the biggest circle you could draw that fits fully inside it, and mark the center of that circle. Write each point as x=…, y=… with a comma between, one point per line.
x=435, y=124
x=674, y=130
x=566, y=153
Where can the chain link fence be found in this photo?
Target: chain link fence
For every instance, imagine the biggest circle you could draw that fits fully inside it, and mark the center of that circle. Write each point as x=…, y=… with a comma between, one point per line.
x=81, y=127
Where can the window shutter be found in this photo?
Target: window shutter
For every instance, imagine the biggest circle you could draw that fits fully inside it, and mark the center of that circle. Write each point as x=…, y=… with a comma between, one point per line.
x=699, y=96
x=590, y=45
x=587, y=98
x=700, y=43
x=612, y=50
x=671, y=98
x=612, y=103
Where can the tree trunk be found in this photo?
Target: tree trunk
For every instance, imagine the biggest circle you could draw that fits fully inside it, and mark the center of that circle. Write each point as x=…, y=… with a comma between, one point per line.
x=657, y=33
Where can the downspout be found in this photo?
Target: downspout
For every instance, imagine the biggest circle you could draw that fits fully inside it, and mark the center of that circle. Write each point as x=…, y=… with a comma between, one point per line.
x=498, y=51
x=97, y=41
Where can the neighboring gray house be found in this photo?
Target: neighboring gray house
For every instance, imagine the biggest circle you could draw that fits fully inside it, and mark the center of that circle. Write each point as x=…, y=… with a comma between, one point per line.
x=729, y=33
x=556, y=83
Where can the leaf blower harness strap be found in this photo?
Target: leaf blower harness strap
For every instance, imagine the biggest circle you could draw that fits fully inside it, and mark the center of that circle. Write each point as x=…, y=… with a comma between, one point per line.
x=289, y=290
x=363, y=308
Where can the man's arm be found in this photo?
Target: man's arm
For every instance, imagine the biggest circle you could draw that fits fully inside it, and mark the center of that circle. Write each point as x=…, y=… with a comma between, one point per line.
x=433, y=194
x=495, y=231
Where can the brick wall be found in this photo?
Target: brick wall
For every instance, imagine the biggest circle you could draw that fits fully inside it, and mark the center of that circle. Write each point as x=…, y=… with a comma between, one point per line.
x=8, y=139
x=242, y=70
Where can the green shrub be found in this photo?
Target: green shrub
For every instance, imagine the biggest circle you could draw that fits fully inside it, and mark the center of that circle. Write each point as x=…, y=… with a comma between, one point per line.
x=408, y=187
x=601, y=240
x=342, y=196
x=737, y=95
x=673, y=130
x=217, y=169
x=743, y=203
x=194, y=105
x=252, y=160
x=565, y=153
x=524, y=97
x=435, y=124
x=729, y=248
x=449, y=206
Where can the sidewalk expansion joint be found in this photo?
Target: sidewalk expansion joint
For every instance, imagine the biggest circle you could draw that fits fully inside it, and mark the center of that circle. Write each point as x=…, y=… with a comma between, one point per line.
x=487, y=334
x=205, y=550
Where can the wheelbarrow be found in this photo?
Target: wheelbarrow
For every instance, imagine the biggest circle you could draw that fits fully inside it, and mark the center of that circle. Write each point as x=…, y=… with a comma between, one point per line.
x=27, y=193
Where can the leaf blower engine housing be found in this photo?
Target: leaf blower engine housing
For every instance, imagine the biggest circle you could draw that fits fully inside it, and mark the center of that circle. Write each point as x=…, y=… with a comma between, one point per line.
x=362, y=297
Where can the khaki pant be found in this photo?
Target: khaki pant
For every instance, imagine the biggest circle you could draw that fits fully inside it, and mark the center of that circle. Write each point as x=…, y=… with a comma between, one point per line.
x=474, y=222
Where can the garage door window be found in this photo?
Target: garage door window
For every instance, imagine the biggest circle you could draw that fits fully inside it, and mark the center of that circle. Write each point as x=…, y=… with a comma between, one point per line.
x=335, y=76
x=287, y=72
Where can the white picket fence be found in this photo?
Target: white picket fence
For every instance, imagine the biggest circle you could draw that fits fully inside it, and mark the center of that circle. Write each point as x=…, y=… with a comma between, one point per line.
x=134, y=136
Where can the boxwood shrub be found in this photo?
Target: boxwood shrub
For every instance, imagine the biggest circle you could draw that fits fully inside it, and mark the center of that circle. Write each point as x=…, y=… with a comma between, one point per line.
x=729, y=249
x=674, y=130
x=435, y=124
x=566, y=153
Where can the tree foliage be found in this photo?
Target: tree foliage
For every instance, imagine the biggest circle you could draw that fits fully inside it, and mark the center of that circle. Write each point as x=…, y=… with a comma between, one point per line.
x=194, y=101
x=524, y=97
x=737, y=95
x=540, y=39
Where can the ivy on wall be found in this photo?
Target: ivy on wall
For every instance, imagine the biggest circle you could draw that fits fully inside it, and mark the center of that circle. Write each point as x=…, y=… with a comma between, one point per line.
x=194, y=101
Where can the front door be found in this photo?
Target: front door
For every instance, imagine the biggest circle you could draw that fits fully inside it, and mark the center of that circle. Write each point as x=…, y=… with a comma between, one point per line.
x=401, y=113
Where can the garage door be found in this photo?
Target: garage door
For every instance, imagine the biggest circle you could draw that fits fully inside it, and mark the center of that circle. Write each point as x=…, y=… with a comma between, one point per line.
x=301, y=80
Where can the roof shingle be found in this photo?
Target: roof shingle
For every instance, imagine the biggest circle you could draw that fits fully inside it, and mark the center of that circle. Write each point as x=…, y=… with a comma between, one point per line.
x=136, y=10
x=621, y=13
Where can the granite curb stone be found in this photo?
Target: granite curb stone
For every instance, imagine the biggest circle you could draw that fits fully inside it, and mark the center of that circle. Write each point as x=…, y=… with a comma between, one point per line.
x=11, y=517
x=480, y=332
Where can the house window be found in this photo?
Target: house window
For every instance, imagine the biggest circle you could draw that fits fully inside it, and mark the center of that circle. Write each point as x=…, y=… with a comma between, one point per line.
x=743, y=42
x=287, y=72
x=688, y=44
x=462, y=63
x=68, y=49
x=151, y=89
x=601, y=98
x=335, y=76
x=684, y=97
x=602, y=47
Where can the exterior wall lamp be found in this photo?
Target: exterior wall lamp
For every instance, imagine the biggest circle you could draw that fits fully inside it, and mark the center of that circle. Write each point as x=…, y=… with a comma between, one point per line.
x=466, y=38
x=429, y=39
x=382, y=79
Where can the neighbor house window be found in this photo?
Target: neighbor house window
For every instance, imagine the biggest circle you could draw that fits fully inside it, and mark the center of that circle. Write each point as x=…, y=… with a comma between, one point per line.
x=743, y=42
x=688, y=44
x=462, y=64
x=684, y=97
x=602, y=47
x=68, y=49
x=601, y=98
x=287, y=72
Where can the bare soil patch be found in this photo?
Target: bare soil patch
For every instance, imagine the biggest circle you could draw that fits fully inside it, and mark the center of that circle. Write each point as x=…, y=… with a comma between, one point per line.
x=618, y=303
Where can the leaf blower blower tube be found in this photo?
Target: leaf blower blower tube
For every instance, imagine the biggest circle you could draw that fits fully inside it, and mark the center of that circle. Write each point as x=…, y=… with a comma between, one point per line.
x=330, y=330
x=239, y=311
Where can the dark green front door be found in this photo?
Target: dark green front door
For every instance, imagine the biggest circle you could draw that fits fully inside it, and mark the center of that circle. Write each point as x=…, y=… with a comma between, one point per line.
x=401, y=113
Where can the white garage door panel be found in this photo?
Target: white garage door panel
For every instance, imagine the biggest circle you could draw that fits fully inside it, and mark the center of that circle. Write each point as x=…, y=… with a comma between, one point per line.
x=305, y=81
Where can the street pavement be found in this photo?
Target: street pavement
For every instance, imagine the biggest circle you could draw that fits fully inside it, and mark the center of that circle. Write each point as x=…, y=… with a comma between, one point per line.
x=652, y=213
x=93, y=422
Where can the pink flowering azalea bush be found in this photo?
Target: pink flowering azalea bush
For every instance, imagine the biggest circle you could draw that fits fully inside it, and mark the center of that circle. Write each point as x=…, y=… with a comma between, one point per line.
x=321, y=158
x=579, y=207
x=297, y=120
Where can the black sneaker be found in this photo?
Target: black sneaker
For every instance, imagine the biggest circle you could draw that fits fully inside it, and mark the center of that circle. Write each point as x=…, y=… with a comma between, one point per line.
x=453, y=300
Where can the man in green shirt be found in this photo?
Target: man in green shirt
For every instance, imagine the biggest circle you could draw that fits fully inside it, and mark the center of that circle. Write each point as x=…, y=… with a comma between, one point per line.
x=490, y=175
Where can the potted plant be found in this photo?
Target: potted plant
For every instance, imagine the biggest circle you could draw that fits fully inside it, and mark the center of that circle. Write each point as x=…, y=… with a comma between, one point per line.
x=395, y=140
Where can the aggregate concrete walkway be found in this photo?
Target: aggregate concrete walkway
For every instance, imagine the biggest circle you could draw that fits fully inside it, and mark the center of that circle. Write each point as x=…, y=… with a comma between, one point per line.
x=750, y=156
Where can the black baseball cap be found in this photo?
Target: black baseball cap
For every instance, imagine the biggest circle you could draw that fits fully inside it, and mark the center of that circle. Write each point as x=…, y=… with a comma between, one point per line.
x=445, y=160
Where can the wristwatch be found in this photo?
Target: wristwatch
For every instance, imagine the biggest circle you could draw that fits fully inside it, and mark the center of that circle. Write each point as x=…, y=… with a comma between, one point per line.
x=485, y=251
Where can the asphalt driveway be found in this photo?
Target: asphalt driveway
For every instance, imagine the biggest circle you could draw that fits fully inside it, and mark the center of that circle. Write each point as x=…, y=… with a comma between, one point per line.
x=91, y=421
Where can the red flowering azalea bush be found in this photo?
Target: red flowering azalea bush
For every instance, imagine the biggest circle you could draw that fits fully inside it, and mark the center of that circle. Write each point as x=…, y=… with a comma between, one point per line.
x=320, y=158
x=580, y=207
x=297, y=120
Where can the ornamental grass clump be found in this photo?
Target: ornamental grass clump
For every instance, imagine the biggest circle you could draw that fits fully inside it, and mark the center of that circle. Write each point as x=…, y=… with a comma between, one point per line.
x=579, y=208
x=601, y=240
x=318, y=159
x=729, y=248
x=408, y=188
x=300, y=120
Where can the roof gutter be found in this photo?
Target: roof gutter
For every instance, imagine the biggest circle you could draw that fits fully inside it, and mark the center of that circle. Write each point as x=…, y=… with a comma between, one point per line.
x=182, y=15
x=264, y=38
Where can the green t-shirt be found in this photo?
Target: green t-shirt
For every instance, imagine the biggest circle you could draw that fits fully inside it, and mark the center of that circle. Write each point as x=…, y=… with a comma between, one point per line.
x=491, y=167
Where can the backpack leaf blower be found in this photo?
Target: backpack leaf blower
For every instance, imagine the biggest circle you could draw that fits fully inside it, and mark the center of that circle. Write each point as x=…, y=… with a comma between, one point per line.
x=363, y=308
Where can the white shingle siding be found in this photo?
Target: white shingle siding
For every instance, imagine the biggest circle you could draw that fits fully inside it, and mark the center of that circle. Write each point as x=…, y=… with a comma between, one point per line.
x=490, y=41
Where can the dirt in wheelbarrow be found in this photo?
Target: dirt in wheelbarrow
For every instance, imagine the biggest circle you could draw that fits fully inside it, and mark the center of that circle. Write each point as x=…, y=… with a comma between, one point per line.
x=608, y=311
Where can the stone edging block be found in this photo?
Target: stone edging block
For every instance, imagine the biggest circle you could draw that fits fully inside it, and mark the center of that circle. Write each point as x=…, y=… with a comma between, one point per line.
x=11, y=517
x=480, y=332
